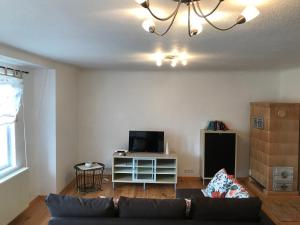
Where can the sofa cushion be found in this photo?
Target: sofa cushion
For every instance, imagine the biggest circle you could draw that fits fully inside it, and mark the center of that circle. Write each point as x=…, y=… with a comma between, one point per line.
x=219, y=185
x=152, y=208
x=222, y=209
x=67, y=206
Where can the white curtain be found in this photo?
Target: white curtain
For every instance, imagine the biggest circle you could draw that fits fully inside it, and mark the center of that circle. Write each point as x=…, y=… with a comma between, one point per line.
x=11, y=91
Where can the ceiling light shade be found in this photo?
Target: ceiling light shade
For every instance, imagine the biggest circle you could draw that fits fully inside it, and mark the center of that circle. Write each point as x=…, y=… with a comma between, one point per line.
x=196, y=29
x=250, y=13
x=149, y=26
x=173, y=58
x=194, y=8
x=143, y=3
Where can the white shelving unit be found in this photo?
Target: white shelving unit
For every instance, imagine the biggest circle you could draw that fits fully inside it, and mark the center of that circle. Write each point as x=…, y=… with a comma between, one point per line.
x=145, y=168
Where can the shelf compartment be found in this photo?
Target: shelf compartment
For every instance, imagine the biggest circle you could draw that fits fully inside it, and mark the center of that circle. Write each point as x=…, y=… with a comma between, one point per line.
x=144, y=163
x=166, y=171
x=123, y=178
x=144, y=170
x=166, y=178
x=144, y=177
x=166, y=163
x=123, y=170
x=123, y=162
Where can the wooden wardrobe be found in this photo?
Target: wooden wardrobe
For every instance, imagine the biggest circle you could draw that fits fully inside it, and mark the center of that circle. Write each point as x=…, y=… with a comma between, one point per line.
x=274, y=141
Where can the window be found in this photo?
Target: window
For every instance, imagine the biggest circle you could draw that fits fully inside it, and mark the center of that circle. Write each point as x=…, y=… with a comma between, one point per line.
x=7, y=147
x=11, y=158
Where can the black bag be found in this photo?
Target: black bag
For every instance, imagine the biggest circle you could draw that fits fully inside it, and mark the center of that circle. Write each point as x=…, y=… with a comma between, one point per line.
x=217, y=125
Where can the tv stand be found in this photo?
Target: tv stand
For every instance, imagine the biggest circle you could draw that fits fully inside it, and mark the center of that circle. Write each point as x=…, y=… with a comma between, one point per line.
x=144, y=168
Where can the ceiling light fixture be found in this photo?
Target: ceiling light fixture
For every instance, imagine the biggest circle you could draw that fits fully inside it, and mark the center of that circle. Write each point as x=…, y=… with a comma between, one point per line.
x=173, y=58
x=194, y=29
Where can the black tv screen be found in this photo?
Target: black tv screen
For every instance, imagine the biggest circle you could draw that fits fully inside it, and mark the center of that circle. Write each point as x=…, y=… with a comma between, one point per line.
x=146, y=141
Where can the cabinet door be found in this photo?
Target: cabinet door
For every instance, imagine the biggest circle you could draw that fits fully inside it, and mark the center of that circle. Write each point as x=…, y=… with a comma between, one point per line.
x=219, y=153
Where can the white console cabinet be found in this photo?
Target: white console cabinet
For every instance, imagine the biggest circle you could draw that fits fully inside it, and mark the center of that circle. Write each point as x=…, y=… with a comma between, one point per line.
x=145, y=168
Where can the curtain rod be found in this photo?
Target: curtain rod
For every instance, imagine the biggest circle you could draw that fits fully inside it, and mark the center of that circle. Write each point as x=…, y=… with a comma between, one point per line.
x=16, y=73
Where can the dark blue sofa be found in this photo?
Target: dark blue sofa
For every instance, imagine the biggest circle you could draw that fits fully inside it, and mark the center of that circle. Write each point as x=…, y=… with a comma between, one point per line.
x=66, y=210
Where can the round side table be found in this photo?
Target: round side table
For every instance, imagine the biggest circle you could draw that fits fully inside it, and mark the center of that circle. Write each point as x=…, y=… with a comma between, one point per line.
x=89, y=179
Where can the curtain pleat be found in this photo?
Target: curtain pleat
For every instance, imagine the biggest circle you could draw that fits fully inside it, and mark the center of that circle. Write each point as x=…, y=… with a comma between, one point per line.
x=11, y=91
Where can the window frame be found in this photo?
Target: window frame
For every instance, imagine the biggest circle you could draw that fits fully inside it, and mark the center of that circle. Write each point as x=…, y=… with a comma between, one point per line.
x=11, y=148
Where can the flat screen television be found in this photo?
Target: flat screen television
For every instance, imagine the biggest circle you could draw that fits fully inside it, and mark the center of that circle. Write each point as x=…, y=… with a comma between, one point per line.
x=146, y=141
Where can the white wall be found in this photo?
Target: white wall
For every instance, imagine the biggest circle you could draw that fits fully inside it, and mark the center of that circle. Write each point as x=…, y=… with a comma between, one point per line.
x=66, y=115
x=50, y=160
x=40, y=117
x=66, y=126
x=289, y=85
x=179, y=103
x=14, y=197
x=40, y=179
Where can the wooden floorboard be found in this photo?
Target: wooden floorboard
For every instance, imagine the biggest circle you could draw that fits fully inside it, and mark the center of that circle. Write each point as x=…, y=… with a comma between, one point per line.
x=283, y=209
x=275, y=207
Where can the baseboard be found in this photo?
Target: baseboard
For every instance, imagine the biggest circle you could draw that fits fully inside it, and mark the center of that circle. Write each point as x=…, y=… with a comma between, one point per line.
x=37, y=199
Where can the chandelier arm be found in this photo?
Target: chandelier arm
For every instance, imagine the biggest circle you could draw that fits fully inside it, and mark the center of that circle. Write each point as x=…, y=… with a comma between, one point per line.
x=206, y=15
x=213, y=25
x=170, y=25
x=168, y=17
x=189, y=20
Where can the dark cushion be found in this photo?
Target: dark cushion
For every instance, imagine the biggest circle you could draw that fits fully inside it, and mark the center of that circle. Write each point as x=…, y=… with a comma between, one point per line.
x=189, y=193
x=67, y=206
x=151, y=208
x=222, y=209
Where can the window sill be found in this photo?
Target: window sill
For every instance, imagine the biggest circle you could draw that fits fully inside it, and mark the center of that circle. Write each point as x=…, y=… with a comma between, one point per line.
x=13, y=174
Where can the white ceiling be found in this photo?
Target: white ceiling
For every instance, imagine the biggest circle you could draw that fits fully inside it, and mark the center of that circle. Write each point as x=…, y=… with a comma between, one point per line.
x=108, y=35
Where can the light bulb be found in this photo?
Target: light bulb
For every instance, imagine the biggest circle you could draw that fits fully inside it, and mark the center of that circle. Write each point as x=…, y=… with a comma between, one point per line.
x=174, y=63
x=184, y=62
x=140, y=1
x=250, y=13
x=196, y=29
x=159, y=63
x=143, y=3
x=149, y=26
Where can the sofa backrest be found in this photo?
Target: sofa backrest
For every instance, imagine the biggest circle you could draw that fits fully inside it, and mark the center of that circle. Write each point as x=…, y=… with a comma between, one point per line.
x=202, y=209
x=224, y=209
x=67, y=206
x=152, y=208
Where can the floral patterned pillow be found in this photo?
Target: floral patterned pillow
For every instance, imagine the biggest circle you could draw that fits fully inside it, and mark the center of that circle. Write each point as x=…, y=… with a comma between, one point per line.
x=219, y=185
x=236, y=190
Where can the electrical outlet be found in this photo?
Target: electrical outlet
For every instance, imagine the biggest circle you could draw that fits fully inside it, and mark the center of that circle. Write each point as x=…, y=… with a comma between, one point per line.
x=189, y=171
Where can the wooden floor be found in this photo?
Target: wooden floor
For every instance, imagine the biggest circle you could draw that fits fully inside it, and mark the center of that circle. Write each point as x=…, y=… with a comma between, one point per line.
x=282, y=210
